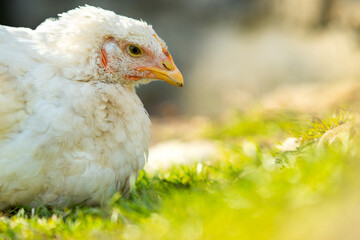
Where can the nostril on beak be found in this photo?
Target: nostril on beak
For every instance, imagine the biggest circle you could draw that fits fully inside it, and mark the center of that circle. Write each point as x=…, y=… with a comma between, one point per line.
x=168, y=66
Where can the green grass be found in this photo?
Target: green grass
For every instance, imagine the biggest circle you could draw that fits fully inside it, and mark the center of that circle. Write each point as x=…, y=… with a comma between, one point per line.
x=251, y=191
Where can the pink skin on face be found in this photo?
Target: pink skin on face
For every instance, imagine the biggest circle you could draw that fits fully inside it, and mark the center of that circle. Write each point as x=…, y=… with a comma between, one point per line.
x=146, y=66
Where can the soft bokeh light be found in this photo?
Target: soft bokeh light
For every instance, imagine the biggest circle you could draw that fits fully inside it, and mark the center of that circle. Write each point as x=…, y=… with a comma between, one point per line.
x=253, y=147
x=231, y=53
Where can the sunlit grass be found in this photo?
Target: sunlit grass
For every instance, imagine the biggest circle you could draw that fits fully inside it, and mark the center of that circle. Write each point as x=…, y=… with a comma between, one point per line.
x=251, y=191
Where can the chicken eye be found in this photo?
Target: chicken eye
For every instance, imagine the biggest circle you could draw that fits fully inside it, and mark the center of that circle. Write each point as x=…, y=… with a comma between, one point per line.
x=135, y=51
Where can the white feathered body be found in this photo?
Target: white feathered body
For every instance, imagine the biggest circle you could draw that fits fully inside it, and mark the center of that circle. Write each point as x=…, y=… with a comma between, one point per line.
x=65, y=136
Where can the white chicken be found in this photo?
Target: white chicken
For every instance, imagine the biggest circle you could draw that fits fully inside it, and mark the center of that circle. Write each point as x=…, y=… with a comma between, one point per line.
x=72, y=129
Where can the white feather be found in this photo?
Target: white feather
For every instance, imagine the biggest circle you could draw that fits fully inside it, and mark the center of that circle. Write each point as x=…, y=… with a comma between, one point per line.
x=66, y=135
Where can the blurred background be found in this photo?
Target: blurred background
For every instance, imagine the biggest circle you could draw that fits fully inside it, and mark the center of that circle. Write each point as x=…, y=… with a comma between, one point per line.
x=239, y=58
x=233, y=54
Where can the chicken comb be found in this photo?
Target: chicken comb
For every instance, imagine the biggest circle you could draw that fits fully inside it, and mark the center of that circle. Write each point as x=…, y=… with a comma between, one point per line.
x=164, y=50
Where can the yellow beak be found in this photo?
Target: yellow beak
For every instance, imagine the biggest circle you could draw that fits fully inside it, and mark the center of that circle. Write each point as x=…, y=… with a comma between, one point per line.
x=168, y=72
x=173, y=77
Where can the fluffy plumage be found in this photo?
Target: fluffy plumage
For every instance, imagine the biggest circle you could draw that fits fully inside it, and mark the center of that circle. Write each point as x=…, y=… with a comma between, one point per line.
x=72, y=129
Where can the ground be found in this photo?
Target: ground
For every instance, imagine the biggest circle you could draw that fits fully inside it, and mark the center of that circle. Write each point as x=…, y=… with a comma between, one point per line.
x=278, y=175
